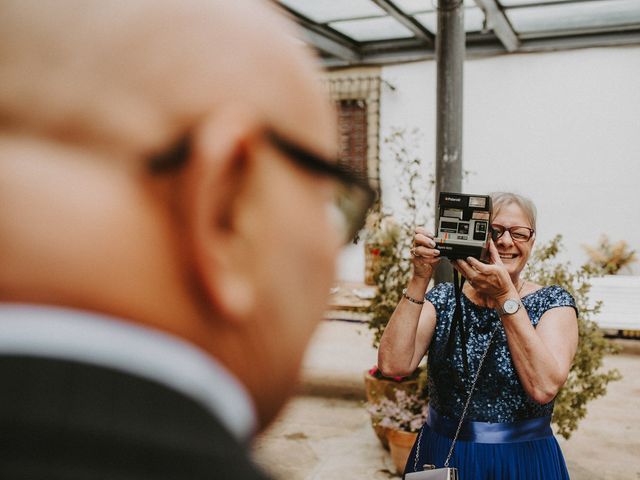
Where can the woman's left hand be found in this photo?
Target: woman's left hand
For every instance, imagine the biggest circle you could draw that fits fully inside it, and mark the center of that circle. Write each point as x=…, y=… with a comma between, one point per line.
x=489, y=280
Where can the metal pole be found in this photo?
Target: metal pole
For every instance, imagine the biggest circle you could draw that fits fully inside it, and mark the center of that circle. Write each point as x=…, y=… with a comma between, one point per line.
x=450, y=52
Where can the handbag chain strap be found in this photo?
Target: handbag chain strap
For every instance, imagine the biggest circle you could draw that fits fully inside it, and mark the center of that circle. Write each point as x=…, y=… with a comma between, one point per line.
x=464, y=410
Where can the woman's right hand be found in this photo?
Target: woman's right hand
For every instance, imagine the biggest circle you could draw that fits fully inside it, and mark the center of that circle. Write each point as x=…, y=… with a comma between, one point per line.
x=424, y=254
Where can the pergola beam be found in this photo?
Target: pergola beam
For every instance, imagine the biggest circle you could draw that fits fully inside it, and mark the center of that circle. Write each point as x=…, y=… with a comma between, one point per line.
x=394, y=51
x=326, y=44
x=409, y=22
x=497, y=21
x=604, y=39
x=324, y=38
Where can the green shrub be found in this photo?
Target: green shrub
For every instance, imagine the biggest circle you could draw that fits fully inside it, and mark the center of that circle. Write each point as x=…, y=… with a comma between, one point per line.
x=587, y=380
x=393, y=234
x=391, y=273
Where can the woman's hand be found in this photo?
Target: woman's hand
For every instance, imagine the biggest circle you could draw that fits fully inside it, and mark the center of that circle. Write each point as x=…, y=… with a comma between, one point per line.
x=489, y=280
x=424, y=254
x=408, y=334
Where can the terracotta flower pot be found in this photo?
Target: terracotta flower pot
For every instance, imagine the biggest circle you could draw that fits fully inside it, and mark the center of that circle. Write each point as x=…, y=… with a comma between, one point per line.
x=400, y=444
x=376, y=389
x=379, y=388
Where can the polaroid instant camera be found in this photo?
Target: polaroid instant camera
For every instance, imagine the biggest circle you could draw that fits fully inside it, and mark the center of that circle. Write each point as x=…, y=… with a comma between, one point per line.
x=462, y=226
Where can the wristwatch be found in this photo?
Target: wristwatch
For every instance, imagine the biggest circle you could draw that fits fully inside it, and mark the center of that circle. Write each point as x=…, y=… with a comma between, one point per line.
x=509, y=307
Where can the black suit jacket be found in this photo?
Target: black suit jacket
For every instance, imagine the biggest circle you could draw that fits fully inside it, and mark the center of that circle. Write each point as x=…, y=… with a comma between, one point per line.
x=62, y=419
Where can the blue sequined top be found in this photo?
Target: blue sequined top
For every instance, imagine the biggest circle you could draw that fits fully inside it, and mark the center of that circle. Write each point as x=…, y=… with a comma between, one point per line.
x=499, y=396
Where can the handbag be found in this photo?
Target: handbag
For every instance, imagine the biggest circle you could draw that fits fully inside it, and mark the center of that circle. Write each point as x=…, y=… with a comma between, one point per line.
x=447, y=473
x=430, y=472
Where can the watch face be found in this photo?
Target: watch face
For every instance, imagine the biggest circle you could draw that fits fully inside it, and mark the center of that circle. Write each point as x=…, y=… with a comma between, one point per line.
x=511, y=306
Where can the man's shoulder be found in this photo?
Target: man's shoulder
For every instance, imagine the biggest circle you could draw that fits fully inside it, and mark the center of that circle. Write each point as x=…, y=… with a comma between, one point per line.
x=89, y=341
x=61, y=415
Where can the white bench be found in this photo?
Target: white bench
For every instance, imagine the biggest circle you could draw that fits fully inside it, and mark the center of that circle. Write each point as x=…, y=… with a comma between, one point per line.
x=620, y=296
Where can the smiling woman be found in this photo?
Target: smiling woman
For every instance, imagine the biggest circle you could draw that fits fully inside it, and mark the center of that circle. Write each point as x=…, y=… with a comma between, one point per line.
x=513, y=231
x=525, y=334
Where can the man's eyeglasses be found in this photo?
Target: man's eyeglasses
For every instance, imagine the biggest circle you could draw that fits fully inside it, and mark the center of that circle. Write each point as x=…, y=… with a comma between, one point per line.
x=517, y=233
x=354, y=196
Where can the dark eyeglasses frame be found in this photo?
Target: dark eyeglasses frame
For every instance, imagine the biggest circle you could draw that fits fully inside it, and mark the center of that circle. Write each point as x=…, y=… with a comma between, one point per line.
x=314, y=163
x=177, y=155
x=496, y=236
x=330, y=168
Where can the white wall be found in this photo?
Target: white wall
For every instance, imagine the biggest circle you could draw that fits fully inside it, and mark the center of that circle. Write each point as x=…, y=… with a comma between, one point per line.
x=562, y=128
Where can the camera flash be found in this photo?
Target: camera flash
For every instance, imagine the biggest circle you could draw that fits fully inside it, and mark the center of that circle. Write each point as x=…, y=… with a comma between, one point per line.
x=479, y=202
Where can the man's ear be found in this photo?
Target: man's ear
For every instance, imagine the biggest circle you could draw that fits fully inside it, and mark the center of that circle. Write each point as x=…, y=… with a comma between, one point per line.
x=214, y=194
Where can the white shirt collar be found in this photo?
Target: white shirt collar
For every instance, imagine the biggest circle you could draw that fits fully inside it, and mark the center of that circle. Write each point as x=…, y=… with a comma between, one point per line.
x=107, y=341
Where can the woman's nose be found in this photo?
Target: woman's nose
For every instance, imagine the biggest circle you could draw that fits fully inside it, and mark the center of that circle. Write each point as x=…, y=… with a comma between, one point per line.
x=505, y=239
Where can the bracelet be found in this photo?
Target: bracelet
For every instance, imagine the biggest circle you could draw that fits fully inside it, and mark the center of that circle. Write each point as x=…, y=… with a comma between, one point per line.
x=412, y=300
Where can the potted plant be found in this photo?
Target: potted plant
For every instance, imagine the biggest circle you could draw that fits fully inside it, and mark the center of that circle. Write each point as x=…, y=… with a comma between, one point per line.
x=379, y=388
x=401, y=418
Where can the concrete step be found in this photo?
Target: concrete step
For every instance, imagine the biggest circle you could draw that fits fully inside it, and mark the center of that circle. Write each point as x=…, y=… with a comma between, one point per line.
x=339, y=355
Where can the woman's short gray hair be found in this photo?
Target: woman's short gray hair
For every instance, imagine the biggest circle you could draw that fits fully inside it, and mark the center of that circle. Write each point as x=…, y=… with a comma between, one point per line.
x=502, y=199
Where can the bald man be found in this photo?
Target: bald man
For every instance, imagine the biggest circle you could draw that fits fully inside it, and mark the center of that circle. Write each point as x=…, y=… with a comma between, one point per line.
x=169, y=220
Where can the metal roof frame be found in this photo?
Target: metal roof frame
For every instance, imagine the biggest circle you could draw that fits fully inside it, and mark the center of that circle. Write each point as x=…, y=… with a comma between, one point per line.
x=498, y=36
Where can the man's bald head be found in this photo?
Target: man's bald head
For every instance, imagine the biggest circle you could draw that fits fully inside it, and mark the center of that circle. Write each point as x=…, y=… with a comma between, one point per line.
x=235, y=249
x=131, y=74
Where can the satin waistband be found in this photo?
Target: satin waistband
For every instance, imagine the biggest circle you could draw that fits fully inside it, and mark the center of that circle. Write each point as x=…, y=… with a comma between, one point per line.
x=486, y=432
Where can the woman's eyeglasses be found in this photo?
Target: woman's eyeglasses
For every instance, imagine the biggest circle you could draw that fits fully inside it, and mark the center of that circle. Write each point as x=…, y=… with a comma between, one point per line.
x=517, y=233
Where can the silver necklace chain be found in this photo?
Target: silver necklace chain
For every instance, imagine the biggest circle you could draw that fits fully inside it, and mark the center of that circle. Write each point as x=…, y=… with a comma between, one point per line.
x=464, y=410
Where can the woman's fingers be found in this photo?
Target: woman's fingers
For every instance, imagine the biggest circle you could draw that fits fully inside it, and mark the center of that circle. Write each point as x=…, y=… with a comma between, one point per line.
x=420, y=251
x=493, y=252
x=424, y=254
x=424, y=246
x=464, y=268
x=423, y=231
x=478, y=265
x=424, y=241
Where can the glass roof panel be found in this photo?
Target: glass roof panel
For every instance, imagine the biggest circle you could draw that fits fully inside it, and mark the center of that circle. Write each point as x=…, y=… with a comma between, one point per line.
x=513, y=3
x=415, y=6
x=364, y=21
x=323, y=11
x=428, y=20
x=382, y=28
x=573, y=16
x=473, y=20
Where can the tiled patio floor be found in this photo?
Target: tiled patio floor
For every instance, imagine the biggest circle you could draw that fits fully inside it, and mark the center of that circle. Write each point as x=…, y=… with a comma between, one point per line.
x=324, y=434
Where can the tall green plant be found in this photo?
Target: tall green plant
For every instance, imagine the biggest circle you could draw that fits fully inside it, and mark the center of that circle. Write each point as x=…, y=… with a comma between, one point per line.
x=392, y=271
x=587, y=380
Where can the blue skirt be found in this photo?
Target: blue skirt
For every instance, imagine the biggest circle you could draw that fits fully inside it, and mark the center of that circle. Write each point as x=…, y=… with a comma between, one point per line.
x=517, y=459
